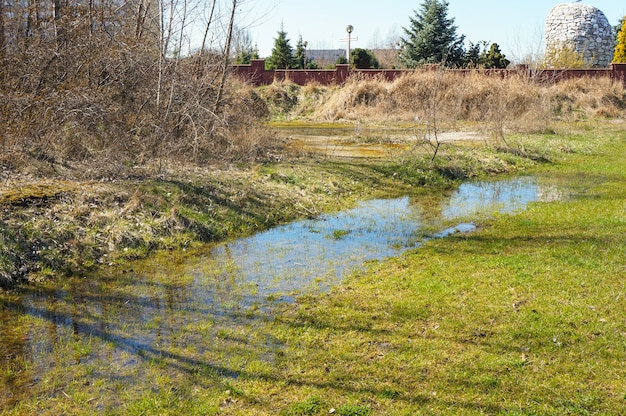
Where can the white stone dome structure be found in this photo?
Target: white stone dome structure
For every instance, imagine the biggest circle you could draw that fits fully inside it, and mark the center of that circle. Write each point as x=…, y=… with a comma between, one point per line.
x=582, y=28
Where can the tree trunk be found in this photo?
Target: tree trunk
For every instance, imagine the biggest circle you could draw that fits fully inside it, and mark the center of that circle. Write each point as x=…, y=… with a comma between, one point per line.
x=220, y=90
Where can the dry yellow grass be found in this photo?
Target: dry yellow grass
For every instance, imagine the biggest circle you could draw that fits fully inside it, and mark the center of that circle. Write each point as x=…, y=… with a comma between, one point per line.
x=515, y=103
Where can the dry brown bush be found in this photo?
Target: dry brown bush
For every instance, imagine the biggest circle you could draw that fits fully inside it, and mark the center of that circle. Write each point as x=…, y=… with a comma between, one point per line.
x=578, y=98
x=282, y=96
x=513, y=102
x=87, y=88
x=358, y=97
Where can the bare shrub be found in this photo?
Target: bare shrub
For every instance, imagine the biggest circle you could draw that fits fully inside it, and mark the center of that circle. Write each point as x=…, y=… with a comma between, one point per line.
x=98, y=86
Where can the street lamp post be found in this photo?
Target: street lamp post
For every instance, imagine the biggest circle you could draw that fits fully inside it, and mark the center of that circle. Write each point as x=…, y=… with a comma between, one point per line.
x=349, y=29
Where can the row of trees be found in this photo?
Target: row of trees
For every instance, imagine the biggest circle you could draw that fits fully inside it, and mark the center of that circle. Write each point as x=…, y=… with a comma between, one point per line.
x=431, y=38
x=284, y=57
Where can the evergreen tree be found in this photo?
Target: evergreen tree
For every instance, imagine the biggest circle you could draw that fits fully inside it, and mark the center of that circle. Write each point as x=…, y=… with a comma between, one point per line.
x=494, y=58
x=432, y=37
x=245, y=56
x=300, y=57
x=363, y=59
x=282, y=53
x=619, y=56
x=471, y=56
x=311, y=64
x=617, y=28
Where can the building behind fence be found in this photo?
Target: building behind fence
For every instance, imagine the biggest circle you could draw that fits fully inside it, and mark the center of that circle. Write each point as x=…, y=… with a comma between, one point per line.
x=256, y=74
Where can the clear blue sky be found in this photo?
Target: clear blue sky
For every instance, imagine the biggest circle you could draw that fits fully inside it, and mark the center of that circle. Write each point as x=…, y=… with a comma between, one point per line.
x=517, y=26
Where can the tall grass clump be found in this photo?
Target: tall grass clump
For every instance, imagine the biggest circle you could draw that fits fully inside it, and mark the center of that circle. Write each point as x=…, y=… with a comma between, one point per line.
x=359, y=97
x=578, y=99
x=286, y=99
x=458, y=97
x=491, y=101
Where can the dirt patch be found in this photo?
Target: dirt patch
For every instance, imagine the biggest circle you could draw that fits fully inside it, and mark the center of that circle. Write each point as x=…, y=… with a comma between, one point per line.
x=374, y=143
x=454, y=136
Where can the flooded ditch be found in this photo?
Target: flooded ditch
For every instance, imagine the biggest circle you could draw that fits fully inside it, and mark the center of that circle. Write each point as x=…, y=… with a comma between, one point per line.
x=190, y=312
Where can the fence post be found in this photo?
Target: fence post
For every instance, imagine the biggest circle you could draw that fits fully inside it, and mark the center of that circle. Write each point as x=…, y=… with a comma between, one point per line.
x=342, y=72
x=618, y=73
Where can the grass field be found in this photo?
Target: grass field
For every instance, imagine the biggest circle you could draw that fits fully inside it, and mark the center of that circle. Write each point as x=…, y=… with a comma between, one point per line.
x=524, y=316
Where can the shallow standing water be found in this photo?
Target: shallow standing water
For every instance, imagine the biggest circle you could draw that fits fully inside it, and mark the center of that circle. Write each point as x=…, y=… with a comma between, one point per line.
x=186, y=311
x=356, y=141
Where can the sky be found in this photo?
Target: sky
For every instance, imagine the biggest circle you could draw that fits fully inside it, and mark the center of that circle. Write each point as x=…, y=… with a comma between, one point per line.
x=517, y=26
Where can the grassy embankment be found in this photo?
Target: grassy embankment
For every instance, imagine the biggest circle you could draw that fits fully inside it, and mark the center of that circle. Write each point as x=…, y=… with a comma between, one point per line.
x=52, y=226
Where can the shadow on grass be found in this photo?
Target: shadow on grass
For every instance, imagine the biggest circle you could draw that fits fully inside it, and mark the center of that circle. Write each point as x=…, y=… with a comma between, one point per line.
x=108, y=313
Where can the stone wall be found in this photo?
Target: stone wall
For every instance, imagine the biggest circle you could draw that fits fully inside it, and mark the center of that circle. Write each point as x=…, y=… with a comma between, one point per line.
x=583, y=28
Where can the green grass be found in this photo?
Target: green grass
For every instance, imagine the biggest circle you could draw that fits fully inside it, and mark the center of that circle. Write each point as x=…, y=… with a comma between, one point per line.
x=524, y=316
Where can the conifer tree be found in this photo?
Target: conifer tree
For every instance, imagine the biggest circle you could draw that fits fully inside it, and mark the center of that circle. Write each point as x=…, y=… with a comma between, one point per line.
x=282, y=53
x=431, y=37
x=617, y=28
x=364, y=59
x=494, y=58
x=471, y=55
x=300, y=57
x=619, y=56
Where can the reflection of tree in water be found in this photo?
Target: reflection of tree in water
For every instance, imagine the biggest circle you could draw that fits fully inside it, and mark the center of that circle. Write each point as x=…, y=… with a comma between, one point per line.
x=14, y=372
x=430, y=207
x=157, y=312
x=476, y=198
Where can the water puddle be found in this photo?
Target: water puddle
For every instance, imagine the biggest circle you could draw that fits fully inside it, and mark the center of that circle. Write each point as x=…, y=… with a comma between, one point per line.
x=199, y=312
x=319, y=252
x=363, y=142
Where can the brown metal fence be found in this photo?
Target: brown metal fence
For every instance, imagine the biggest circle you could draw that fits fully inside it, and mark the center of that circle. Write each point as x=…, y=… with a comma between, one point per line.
x=256, y=74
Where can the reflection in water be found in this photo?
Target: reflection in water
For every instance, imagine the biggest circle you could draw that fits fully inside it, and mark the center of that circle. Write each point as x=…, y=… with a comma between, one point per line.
x=199, y=313
x=317, y=253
